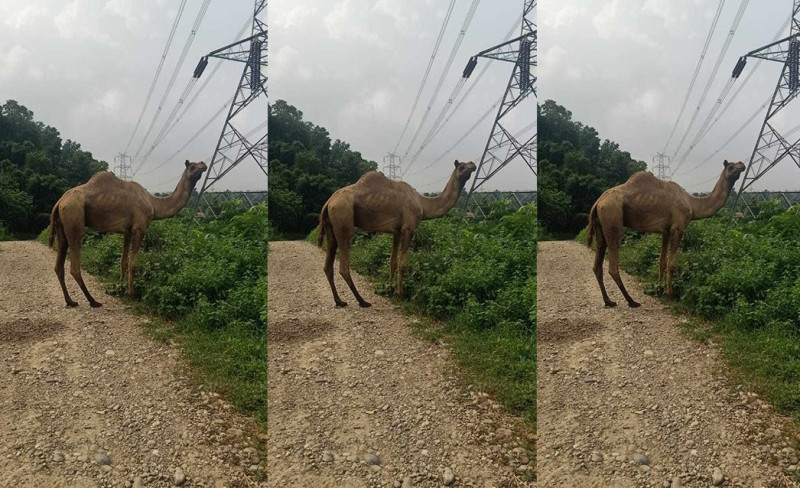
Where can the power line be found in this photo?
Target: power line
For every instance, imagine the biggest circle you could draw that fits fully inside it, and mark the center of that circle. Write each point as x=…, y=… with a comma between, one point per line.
x=696, y=72
x=717, y=64
x=445, y=71
x=158, y=72
x=441, y=121
x=181, y=59
x=427, y=72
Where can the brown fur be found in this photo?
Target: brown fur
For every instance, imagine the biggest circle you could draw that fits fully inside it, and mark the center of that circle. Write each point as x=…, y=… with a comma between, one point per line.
x=378, y=204
x=108, y=204
x=647, y=204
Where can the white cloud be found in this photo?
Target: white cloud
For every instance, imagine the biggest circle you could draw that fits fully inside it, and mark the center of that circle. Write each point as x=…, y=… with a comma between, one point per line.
x=556, y=63
x=287, y=61
x=289, y=15
x=350, y=19
x=17, y=63
x=560, y=16
x=17, y=17
x=616, y=21
x=80, y=20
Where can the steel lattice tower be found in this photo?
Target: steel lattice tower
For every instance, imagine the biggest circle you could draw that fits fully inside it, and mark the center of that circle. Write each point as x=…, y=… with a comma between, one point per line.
x=391, y=166
x=772, y=146
x=502, y=147
x=661, y=165
x=123, y=168
x=233, y=147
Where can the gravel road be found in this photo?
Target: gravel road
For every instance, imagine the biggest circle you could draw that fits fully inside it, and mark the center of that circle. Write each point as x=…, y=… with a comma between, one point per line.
x=626, y=400
x=356, y=400
x=87, y=400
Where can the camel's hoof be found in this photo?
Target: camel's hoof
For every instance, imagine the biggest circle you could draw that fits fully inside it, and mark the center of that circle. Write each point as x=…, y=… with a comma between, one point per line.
x=341, y=304
x=364, y=304
x=72, y=304
x=634, y=304
x=95, y=304
x=611, y=304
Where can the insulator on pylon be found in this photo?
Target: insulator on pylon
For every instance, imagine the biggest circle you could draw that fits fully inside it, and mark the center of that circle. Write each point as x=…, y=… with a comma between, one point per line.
x=737, y=70
x=794, y=64
x=201, y=66
x=473, y=61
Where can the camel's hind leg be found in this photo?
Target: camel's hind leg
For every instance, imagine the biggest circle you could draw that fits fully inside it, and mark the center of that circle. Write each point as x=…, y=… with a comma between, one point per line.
x=330, y=256
x=393, y=258
x=74, y=232
x=61, y=258
x=599, y=256
x=675, y=240
x=662, y=260
x=124, y=261
x=136, y=241
x=342, y=222
x=613, y=267
x=401, y=265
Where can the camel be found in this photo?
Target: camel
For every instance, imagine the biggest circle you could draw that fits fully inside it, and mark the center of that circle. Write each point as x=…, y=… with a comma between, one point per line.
x=646, y=204
x=109, y=204
x=377, y=204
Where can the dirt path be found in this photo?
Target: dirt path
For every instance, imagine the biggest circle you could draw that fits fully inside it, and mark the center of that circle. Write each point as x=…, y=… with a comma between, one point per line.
x=349, y=384
x=618, y=384
x=87, y=400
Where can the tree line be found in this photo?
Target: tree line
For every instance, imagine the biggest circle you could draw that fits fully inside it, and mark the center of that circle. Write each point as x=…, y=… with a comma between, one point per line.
x=305, y=168
x=36, y=168
x=575, y=168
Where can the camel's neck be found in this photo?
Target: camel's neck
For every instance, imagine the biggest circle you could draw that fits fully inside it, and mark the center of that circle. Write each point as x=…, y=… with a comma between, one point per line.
x=165, y=207
x=704, y=207
x=435, y=207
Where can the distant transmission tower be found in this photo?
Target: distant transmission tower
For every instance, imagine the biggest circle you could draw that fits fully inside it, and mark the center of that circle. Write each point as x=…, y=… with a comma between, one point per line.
x=233, y=147
x=391, y=166
x=123, y=167
x=502, y=147
x=772, y=146
x=661, y=165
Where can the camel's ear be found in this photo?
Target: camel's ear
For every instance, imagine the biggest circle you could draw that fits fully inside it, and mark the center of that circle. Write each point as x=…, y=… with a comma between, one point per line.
x=188, y=163
x=456, y=163
x=726, y=163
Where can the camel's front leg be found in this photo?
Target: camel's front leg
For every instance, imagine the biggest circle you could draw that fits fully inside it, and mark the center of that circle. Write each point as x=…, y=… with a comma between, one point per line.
x=123, y=264
x=393, y=258
x=401, y=265
x=136, y=242
x=662, y=260
x=675, y=241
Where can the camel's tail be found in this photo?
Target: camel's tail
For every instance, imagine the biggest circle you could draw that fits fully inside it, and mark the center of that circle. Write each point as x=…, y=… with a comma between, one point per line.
x=594, y=225
x=55, y=224
x=323, y=223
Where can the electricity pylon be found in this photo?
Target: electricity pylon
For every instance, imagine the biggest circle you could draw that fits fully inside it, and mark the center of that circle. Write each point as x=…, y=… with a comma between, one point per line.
x=502, y=147
x=772, y=145
x=232, y=146
x=391, y=167
x=123, y=168
x=661, y=165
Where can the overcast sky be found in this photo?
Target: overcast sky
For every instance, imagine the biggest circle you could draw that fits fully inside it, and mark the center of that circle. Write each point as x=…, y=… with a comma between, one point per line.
x=354, y=67
x=623, y=67
x=85, y=66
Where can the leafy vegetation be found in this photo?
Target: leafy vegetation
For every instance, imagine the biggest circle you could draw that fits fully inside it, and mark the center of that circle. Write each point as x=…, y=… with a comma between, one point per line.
x=209, y=282
x=477, y=282
x=36, y=168
x=305, y=169
x=575, y=168
x=745, y=282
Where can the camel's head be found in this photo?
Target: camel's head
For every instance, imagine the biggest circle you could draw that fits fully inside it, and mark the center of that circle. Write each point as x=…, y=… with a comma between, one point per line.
x=195, y=170
x=733, y=171
x=463, y=171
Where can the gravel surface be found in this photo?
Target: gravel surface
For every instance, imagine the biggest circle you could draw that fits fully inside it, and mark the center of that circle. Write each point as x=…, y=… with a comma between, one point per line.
x=356, y=400
x=87, y=400
x=626, y=400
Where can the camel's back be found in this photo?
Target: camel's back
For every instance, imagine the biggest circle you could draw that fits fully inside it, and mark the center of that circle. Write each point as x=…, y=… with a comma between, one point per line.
x=650, y=204
x=107, y=201
x=378, y=203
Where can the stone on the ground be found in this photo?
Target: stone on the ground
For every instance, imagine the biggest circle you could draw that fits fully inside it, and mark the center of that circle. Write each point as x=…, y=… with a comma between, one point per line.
x=448, y=478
